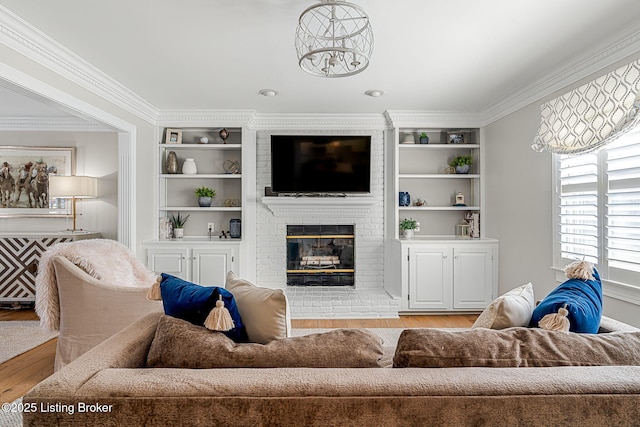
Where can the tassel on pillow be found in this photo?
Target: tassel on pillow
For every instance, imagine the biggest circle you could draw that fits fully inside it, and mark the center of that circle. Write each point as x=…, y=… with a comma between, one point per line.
x=582, y=270
x=219, y=319
x=154, y=293
x=556, y=321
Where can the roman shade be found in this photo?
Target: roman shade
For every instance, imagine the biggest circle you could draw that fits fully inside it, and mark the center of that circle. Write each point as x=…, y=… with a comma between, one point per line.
x=591, y=116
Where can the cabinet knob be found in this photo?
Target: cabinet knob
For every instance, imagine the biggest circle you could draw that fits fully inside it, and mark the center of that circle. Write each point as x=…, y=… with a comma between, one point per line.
x=444, y=257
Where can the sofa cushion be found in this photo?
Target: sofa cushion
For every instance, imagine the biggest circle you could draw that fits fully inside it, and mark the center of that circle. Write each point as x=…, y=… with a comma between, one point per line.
x=180, y=344
x=513, y=347
x=192, y=302
x=265, y=311
x=508, y=310
x=583, y=300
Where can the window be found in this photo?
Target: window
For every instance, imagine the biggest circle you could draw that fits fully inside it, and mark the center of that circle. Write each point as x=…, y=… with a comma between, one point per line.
x=598, y=210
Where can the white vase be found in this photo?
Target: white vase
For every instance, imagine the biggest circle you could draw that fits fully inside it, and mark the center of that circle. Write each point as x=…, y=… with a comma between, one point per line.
x=178, y=233
x=189, y=167
x=408, y=234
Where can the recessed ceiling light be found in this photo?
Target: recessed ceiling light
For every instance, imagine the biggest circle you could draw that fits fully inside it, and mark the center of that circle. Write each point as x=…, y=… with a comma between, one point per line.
x=374, y=93
x=267, y=92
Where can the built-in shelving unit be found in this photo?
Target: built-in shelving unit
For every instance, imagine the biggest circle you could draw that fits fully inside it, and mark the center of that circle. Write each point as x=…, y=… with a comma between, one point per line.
x=423, y=171
x=176, y=190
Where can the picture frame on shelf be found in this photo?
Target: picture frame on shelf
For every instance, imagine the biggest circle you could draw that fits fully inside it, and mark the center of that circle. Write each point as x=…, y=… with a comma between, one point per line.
x=24, y=182
x=173, y=136
x=455, y=138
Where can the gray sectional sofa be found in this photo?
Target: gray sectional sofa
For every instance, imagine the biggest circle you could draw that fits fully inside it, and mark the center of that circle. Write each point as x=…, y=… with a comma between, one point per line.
x=111, y=386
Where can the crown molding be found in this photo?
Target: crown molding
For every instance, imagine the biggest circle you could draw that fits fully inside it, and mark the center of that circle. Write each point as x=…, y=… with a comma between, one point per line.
x=50, y=124
x=27, y=40
x=623, y=44
x=320, y=121
x=417, y=118
x=203, y=117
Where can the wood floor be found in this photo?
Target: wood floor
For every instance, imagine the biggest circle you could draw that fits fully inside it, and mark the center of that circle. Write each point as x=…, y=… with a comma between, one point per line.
x=20, y=374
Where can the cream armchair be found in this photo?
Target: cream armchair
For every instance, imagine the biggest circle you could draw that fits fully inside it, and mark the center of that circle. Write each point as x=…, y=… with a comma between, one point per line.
x=89, y=308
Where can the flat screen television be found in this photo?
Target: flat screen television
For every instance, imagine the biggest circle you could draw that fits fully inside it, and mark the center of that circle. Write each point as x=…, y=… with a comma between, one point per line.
x=320, y=164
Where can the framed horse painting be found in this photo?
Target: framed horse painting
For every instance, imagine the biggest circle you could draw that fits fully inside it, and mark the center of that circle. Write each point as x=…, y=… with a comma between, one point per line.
x=24, y=179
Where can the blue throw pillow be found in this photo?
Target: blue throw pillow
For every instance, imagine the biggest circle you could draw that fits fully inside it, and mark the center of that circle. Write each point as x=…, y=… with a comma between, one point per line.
x=193, y=303
x=584, y=303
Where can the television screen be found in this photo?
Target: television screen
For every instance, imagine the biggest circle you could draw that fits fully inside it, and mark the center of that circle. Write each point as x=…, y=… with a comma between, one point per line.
x=320, y=164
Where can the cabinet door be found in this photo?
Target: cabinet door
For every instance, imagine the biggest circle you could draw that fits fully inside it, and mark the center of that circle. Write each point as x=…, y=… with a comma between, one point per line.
x=430, y=278
x=210, y=266
x=171, y=261
x=472, y=277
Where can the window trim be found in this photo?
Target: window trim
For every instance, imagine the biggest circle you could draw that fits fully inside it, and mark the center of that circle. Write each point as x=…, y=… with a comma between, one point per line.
x=610, y=288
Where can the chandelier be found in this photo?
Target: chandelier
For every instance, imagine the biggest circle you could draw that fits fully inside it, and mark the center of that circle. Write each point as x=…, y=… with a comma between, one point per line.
x=334, y=39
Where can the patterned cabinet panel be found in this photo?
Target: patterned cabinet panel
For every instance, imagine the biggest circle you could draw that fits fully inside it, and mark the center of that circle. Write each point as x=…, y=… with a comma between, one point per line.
x=19, y=258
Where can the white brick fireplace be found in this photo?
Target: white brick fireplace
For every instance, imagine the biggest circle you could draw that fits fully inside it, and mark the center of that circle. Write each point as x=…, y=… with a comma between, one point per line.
x=365, y=213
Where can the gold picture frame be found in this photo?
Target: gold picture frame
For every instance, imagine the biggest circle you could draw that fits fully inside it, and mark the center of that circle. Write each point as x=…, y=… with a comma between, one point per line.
x=25, y=188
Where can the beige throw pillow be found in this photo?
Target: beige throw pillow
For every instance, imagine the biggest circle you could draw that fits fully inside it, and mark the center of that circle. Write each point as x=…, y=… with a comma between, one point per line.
x=264, y=311
x=509, y=310
x=180, y=344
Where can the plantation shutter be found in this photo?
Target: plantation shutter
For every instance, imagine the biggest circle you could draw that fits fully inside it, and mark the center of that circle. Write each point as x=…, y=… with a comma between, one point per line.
x=578, y=198
x=591, y=116
x=623, y=209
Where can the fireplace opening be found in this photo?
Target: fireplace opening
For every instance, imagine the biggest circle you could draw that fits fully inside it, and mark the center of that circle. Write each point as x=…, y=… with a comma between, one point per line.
x=320, y=255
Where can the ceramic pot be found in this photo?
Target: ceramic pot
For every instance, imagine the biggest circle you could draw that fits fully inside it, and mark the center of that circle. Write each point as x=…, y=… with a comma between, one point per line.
x=408, y=234
x=424, y=140
x=462, y=169
x=178, y=233
x=172, y=162
x=205, y=202
x=189, y=167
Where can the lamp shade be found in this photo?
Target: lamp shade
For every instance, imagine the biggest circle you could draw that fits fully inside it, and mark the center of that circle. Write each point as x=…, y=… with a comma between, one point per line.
x=80, y=187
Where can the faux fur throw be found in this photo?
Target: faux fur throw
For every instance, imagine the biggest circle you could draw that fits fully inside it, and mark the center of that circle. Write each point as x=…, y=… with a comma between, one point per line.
x=106, y=260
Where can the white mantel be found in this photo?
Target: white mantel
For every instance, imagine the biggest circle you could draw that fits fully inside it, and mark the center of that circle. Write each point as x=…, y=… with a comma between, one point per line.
x=356, y=206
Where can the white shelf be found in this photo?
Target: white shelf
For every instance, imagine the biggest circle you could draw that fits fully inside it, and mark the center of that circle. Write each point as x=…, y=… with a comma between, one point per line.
x=199, y=209
x=439, y=208
x=196, y=241
x=202, y=146
x=438, y=146
x=438, y=176
x=201, y=175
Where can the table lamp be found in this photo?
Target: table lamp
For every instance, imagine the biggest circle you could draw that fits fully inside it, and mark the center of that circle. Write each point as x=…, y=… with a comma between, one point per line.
x=73, y=187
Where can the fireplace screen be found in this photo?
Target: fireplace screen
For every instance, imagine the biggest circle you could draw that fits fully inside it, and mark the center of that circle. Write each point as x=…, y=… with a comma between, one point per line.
x=320, y=255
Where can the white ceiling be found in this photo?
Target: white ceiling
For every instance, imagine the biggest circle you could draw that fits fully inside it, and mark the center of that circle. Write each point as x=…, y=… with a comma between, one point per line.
x=454, y=55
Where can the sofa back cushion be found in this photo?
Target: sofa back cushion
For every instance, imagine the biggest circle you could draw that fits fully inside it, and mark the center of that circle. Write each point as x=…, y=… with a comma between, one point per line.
x=513, y=347
x=180, y=344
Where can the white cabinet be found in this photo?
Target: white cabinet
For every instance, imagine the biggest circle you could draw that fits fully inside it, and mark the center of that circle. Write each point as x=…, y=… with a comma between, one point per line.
x=198, y=262
x=445, y=276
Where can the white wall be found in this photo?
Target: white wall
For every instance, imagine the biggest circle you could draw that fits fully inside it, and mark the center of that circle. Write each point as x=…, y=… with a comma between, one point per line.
x=96, y=155
x=518, y=202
